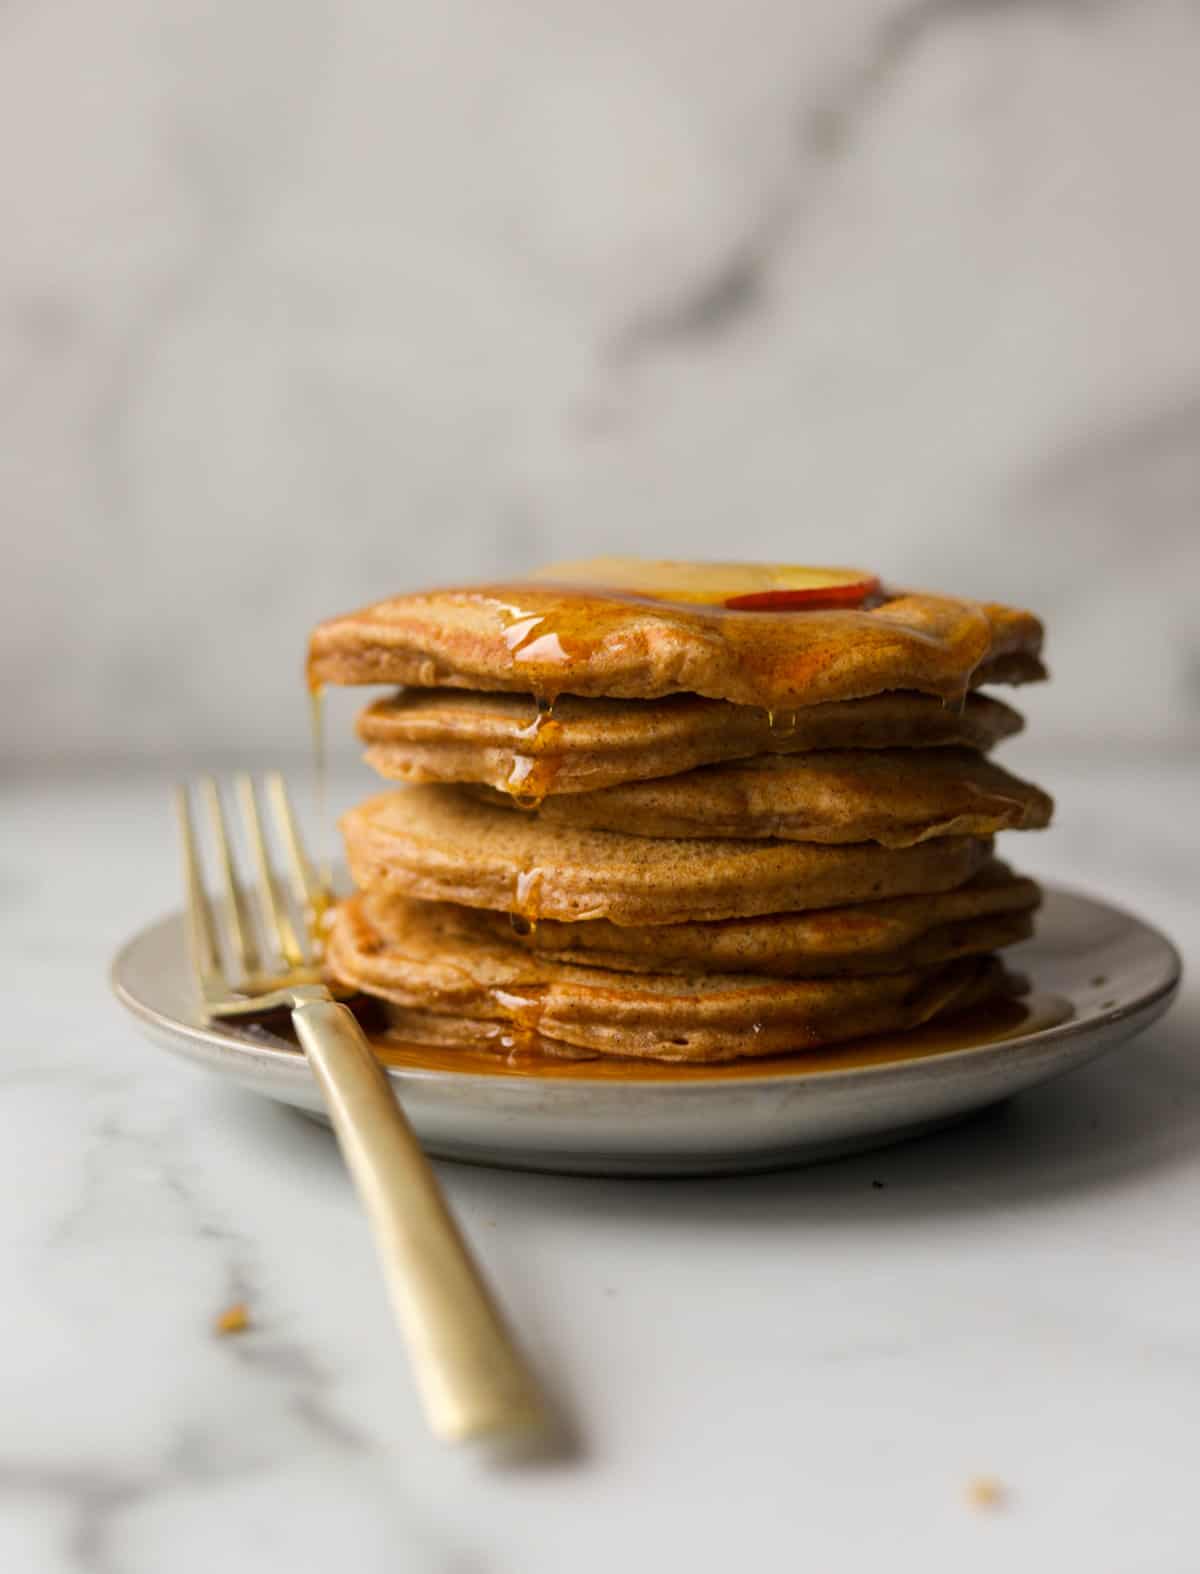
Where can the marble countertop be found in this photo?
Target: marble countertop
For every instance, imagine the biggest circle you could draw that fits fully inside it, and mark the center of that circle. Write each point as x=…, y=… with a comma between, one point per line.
x=798, y=1370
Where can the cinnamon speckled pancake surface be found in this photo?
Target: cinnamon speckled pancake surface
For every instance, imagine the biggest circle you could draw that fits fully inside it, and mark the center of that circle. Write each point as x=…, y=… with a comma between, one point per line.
x=437, y=969
x=504, y=741
x=893, y=796
x=992, y=910
x=547, y=639
x=440, y=844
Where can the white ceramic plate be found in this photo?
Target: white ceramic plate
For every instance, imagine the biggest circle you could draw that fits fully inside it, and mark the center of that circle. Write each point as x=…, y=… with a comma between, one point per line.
x=1098, y=977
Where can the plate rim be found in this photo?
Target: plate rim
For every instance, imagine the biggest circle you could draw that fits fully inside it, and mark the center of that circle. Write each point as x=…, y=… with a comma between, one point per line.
x=290, y=1064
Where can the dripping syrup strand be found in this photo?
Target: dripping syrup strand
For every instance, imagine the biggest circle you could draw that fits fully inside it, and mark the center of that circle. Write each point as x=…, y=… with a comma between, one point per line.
x=532, y=773
x=527, y=903
x=527, y=896
x=320, y=786
x=524, y=1008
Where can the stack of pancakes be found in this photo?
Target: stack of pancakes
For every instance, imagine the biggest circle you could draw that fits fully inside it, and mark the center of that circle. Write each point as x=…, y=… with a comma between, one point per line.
x=639, y=824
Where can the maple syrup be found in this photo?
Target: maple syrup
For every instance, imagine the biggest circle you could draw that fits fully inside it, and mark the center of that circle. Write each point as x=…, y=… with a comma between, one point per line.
x=320, y=787
x=989, y=1023
x=536, y=766
x=524, y=1007
x=527, y=895
x=782, y=723
x=737, y=587
x=772, y=635
x=553, y=630
x=777, y=633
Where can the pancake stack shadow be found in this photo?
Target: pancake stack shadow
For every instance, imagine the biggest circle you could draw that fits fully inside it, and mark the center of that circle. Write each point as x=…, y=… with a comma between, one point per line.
x=680, y=878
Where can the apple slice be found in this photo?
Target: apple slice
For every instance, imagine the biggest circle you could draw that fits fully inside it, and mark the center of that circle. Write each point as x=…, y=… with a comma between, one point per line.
x=739, y=587
x=850, y=593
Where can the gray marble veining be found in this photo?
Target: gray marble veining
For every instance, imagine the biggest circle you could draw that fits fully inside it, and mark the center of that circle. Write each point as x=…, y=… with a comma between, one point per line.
x=355, y=296
x=360, y=296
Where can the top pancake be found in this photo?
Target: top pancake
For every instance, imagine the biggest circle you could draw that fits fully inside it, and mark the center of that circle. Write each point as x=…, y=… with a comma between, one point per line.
x=545, y=639
x=504, y=741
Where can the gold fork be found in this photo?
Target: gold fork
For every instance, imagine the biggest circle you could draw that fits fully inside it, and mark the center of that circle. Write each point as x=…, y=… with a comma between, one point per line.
x=469, y=1372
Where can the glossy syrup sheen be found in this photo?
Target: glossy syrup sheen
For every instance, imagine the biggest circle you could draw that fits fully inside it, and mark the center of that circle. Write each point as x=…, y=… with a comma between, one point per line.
x=553, y=632
x=990, y=1023
x=583, y=628
x=535, y=768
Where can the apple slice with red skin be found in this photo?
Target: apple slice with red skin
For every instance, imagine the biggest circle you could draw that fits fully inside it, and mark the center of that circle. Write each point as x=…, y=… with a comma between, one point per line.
x=812, y=600
x=736, y=587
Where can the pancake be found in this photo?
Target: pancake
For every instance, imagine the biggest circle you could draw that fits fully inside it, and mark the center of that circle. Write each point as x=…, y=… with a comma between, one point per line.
x=993, y=910
x=894, y=796
x=548, y=639
x=471, y=989
x=439, y=844
x=504, y=741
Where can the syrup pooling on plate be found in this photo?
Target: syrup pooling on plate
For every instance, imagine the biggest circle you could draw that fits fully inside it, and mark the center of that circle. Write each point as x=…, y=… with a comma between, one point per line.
x=991, y=1023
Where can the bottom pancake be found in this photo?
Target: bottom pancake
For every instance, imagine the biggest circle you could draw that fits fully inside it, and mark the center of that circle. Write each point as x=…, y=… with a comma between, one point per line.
x=450, y=981
x=992, y=910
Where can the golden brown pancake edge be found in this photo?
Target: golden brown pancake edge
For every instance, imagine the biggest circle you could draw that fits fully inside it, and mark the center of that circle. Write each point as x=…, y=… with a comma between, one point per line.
x=896, y=797
x=437, y=843
x=545, y=640
x=992, y=910
x=503, y=740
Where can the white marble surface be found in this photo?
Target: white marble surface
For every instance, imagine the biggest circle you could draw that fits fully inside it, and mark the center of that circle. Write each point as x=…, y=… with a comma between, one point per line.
x=354, y=296
x=791, y=1371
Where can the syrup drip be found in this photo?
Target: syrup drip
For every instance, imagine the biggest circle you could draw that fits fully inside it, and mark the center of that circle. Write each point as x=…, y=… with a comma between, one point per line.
x=320, y=782
x=524, y=1008
x=527, y=895
x=957, y=701
x=536, y=767
x=555, y=628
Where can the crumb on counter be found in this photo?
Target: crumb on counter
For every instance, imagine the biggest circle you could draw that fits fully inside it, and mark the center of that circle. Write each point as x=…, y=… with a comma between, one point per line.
x=234, y=1319
x=986, y=1492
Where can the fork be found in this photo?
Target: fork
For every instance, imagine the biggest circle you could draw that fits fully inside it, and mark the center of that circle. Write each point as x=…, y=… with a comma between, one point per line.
x=471, y=1377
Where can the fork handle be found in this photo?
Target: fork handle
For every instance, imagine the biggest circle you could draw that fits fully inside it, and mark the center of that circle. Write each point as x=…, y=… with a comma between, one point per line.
x=471, y=1377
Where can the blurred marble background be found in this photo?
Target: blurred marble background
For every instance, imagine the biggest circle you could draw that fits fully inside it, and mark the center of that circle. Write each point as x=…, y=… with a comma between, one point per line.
x=304, y=302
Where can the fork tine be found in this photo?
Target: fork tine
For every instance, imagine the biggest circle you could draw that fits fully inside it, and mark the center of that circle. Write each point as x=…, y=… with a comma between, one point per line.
x=239, y=913
x=202, y=934
x=275, y=917
x=311, y=894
